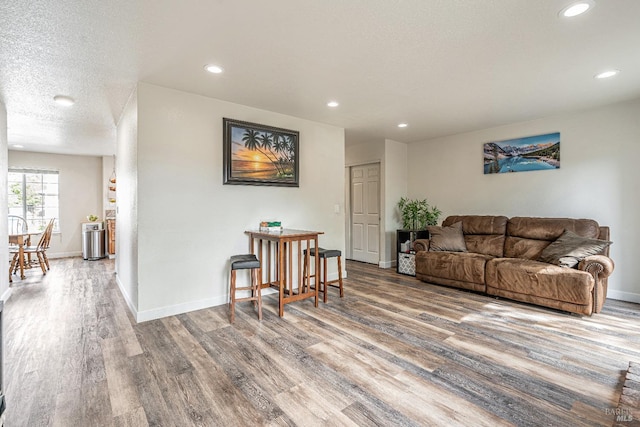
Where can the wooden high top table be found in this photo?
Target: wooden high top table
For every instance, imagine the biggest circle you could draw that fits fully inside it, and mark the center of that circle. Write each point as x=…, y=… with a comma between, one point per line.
x=278, y=252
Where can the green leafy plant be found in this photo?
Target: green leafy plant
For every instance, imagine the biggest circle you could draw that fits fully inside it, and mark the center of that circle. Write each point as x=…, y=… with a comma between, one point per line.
x=417, y=214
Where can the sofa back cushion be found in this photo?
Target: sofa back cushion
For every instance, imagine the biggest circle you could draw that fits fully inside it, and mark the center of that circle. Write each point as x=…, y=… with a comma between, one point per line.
x=483, y=234
x=527, y=237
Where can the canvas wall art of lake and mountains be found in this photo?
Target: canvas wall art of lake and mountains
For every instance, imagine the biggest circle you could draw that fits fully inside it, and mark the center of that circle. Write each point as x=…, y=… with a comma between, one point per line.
x=531, y=153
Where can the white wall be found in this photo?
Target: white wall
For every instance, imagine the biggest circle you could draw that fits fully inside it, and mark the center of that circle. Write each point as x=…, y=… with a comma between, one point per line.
x=597, y=179
x=127, y=203
x=80, y=186
x=108, y=167
x=392, y=156
x=395, y=182
x=362, y=154
x=189, y=223
x=5, y=291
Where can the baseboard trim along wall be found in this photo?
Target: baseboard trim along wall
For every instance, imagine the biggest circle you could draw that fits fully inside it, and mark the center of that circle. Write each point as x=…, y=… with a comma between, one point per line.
x=623, y=296
x=172, y=310
x=387, y=264
x=5, y=296
x=53, y=255
x=132, y=308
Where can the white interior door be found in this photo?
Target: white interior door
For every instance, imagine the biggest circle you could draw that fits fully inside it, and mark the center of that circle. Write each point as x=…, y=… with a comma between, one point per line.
x=365, y=213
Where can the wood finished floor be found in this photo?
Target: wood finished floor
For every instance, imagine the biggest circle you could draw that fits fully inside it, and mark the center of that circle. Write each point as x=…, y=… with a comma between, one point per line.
x=393, y=352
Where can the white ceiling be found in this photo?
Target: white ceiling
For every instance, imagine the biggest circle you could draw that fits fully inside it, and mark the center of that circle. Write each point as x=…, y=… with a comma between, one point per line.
x=443, y=66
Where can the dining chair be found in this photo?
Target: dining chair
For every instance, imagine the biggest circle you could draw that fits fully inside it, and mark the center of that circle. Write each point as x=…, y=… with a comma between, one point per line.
x=47, y=242
x=17, y=225
x=39, y=251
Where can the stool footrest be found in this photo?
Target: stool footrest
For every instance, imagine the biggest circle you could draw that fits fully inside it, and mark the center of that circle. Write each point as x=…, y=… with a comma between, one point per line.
x=247, y=299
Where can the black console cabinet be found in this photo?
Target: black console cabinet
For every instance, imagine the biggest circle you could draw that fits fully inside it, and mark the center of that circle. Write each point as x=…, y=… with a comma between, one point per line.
x=406, y=263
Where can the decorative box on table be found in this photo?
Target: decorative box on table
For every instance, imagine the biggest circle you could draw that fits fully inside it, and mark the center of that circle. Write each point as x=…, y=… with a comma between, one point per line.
x=271, y=227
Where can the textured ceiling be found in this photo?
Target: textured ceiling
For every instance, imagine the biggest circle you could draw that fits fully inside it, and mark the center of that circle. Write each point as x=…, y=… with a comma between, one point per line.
x=443, y=66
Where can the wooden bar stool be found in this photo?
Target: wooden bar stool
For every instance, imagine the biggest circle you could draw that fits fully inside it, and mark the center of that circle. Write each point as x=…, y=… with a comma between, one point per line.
x=246, y=262
x=325, y=254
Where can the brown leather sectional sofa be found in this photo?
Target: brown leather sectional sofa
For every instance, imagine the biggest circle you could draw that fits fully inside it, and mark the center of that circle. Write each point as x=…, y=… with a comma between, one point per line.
x=502, y=260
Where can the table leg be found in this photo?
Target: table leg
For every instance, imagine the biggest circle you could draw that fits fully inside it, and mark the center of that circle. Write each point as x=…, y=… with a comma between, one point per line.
x=269, y=262
x=21, y=260
x=317, y=260
x=289, y=261
x=281, y=275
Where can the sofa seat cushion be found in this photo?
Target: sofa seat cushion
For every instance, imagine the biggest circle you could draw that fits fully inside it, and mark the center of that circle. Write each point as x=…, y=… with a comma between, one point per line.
x=539, y=279
x=466, y=267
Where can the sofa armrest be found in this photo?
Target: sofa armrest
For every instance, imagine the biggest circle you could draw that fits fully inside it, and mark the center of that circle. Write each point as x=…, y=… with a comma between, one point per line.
x=599, y=266
x=421, y=245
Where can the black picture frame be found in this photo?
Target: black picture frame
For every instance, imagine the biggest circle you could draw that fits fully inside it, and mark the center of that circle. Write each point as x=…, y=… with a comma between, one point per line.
x=256, y=154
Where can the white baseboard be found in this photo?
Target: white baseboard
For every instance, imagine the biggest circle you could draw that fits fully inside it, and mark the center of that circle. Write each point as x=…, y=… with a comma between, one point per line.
x=172, y=310
x=157, y=313
x=623, y=296
x=6, y=295
x=126, y=297
x=386, y=264
x=54, y=255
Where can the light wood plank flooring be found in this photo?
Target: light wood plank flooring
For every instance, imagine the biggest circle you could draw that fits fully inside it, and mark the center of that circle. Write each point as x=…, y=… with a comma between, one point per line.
x=393, y=352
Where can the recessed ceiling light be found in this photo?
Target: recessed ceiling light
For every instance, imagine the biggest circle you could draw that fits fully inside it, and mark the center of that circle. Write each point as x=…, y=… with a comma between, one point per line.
x=607, y=74
x=577, y=8
x=215, y=69
x=332, y=104
x=403, y=125
x=17, y=146
x=64, y=100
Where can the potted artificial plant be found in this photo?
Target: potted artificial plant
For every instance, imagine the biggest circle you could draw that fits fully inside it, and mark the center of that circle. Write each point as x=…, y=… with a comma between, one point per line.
x=417, y=214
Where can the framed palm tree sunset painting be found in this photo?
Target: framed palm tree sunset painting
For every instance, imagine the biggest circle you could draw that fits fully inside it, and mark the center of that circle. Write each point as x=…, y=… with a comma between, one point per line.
x=257, y=154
